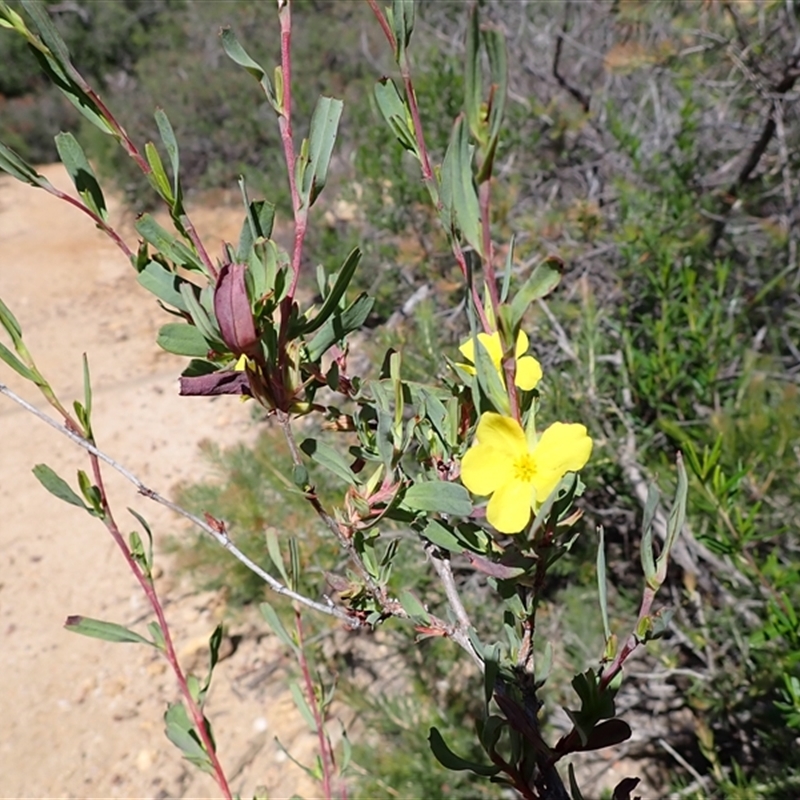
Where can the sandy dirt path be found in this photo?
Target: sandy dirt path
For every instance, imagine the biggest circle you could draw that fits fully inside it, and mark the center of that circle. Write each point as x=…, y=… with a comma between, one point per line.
x=81, y=717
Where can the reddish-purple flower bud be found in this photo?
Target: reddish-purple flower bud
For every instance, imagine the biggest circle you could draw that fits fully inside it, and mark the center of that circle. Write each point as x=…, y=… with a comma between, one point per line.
x=233, y=312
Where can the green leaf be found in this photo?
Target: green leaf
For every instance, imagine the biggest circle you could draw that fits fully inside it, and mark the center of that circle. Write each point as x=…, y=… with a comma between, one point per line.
x=274, y=622
x=182, y=734
x=646, y=546
x=165, y=285
x=543, y=280
x=201, y=318
x=321, y=138
x=331, y=303
x=81, y=173
x=238, y=54
x=301, y=703
x=183, y=340
x=171, y=144
x=57, y=486
x=396, y=114
x=158, y=177
x=90, y=493
x=17, y=167
x=324, y=455
x=602, y=583
x=9, y=322
x=403, y=23
x=448, y=759
x=87, y=396
x=413, y=607
x=167, y=244
x=472, y=76
x=459, y=195
x=677, y=516
x=53, y=57
x=440, y=496
x=495, y=43
x=147, y=555
x=109, y=631
x=440, y=536
x=15, y=364
x=339, y=325
x=157, y=634
x=274, y=552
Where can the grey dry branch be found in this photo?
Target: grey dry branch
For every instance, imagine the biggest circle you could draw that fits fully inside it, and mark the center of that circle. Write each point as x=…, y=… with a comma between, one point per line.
x=218, y=533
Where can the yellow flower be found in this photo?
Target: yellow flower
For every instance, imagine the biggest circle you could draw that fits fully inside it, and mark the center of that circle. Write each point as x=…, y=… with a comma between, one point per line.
x=529, y=371
x=518, y=477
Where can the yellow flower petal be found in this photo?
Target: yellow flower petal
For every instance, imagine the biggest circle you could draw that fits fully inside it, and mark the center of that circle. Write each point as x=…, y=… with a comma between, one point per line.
x=529, y=373
x=484, y=468
x=521, y=346
x=562, y=448
x=491, y=343
x=509, y=510
x=468, y=350
x=502, y=433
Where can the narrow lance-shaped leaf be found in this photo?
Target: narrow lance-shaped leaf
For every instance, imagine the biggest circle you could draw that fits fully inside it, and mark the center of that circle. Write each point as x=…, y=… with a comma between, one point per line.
x=602, y=585
x=339, y=325
x=472, y=76
x=495, y=44
x=441, y=496
x=108, y=631
x=158, y=175
x=171, y=145
x=321, y=138
x=182, y=734
x=53, y=56
x=74, y=159
x=15, y=364
x=403, y=23
x=165, y=285
x=238, y=54
x=57, y=486
x=331, y=302
x=677, y=516
x=183, y=340
x=448, y=759
x=396, y=113
x=17, y=167
x=543, y=280
x=646, y=547
x=167, y=244
x=324, y=455
x=459, y=195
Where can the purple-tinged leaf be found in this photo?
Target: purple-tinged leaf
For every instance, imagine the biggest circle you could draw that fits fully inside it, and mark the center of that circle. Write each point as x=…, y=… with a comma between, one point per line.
x=226, y=382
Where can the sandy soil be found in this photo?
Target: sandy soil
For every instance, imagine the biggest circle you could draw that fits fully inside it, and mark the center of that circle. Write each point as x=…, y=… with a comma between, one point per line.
x=82, y=717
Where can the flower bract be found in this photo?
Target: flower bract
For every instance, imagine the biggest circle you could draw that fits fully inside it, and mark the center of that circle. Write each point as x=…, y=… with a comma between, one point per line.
x=518, y=477
x=529, y=371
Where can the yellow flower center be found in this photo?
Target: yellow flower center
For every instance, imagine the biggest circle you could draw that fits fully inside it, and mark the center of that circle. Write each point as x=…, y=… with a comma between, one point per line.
x=525, y=468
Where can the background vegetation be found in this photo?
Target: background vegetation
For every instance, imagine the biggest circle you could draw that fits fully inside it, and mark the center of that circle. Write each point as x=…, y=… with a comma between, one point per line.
x=654, y=147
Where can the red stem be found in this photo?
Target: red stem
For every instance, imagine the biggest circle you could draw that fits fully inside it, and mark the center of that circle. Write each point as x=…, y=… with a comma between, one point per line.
x=198, y=244
x=326, y=756
x=287, y=138
x=476, y=297
x=109, y=231
x=155, y=603
x=383, y=22
x=631, y=644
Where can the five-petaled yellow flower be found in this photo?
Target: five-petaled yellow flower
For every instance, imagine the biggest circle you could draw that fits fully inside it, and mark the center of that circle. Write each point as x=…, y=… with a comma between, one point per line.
x=529, y=371
x=518, y=477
